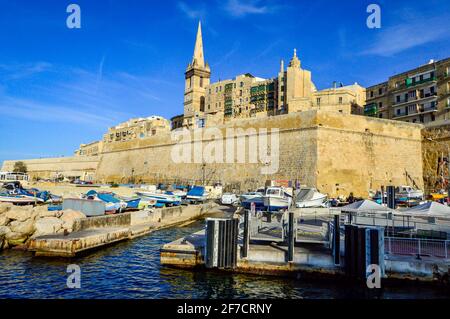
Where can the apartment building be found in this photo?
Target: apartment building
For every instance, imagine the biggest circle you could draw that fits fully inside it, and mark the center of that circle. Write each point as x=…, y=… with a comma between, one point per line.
x=419, y=95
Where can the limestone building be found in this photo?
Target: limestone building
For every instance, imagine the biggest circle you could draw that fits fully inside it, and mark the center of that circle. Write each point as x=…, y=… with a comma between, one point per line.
x=420, y=95
x=246, y=96
x=137, y=128
x=90, y=149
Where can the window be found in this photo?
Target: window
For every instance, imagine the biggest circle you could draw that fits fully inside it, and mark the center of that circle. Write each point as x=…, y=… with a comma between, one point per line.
x=340, y=100
x=217, y=89
x=240, y=92
x=380, y=105
x=242, y=84
x=201, y=81
x=371, y=93
x=202, y=104
x=398, y=111
x=397, y=98
x=432, y=90
x=318, y=101
x=380, y=91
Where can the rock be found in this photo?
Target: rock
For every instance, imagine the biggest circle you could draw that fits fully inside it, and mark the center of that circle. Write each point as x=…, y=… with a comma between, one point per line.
x=47, y=226
x=20, y=213
x=26, y=227
x=15, y=239
x=69, y=216
x=4, y=220
x=4, y=207
x=44, y=212
x=3, y=231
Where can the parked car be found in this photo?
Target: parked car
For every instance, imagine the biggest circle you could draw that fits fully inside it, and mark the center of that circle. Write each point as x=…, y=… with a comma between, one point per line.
x=229, y=199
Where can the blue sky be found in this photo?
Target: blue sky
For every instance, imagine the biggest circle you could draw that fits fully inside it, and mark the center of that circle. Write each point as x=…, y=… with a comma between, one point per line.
x=60, y=87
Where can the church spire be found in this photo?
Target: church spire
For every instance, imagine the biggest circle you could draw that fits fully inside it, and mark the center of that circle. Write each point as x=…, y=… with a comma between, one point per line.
x=198, y=59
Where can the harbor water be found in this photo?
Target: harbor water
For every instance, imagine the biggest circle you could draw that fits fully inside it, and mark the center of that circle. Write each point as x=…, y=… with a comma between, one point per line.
x=132, y=270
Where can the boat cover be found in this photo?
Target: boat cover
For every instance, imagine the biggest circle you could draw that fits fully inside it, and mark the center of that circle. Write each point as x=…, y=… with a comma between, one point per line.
x=196, y=191
x=109, y=198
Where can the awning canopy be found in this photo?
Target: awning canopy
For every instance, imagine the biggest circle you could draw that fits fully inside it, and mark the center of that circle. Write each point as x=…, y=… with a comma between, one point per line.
x=428, y=209
x=364, y=205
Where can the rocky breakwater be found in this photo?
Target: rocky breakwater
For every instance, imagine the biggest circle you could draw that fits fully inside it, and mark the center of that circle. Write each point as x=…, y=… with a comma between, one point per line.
x=19, y=224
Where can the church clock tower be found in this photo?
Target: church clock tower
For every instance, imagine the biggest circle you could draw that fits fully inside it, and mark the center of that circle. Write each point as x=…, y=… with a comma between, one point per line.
x=197, y=78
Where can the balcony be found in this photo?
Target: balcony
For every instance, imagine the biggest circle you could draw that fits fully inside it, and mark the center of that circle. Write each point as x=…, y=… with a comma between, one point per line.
x=409, y=83
x=415, y=99
x=371, y=109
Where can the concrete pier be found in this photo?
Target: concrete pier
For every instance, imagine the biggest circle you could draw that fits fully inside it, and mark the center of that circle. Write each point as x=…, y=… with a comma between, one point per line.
x=312, y=259
x=95, y=232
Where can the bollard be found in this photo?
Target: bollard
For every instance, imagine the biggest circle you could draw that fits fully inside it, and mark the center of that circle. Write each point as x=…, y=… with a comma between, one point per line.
x=246, y=239
x=336, y=241
x=291, y=240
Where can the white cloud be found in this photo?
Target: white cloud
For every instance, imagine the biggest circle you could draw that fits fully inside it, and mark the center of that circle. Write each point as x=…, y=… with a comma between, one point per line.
x=17, y=71
x=189, y=11
x=408, y=35
x=81, y=97
x=240, y=8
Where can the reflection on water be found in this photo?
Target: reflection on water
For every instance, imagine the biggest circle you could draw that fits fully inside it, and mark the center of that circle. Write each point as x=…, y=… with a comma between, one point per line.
x=132, y=270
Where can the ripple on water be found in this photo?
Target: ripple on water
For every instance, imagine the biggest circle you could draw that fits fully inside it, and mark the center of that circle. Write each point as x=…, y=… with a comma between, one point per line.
x=132, y=270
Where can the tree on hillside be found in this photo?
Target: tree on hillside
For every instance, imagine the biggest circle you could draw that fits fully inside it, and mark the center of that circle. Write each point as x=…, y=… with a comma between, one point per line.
x=20, y=167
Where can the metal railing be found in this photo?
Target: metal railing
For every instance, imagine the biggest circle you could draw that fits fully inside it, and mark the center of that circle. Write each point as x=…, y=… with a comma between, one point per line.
x=417, y=247
x=270, y=226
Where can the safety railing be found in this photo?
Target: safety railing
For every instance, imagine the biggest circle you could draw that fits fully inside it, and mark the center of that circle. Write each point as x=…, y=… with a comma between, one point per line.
x=417, y=247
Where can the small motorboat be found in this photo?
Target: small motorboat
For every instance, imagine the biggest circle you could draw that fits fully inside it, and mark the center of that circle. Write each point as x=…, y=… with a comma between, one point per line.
x=276, y=198
x=113, y=205
x=405, y=193
x=251, y=195
x=197, y=194
x=18, y=199
x=310, y=197
x=161, y=198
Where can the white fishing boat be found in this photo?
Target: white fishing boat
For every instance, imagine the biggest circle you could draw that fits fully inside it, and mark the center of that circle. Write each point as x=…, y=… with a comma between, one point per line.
x=251, y=195
x=19, y=199
x=166, y=199
x=310, y=197
x=276, y=198
x=408, y=192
